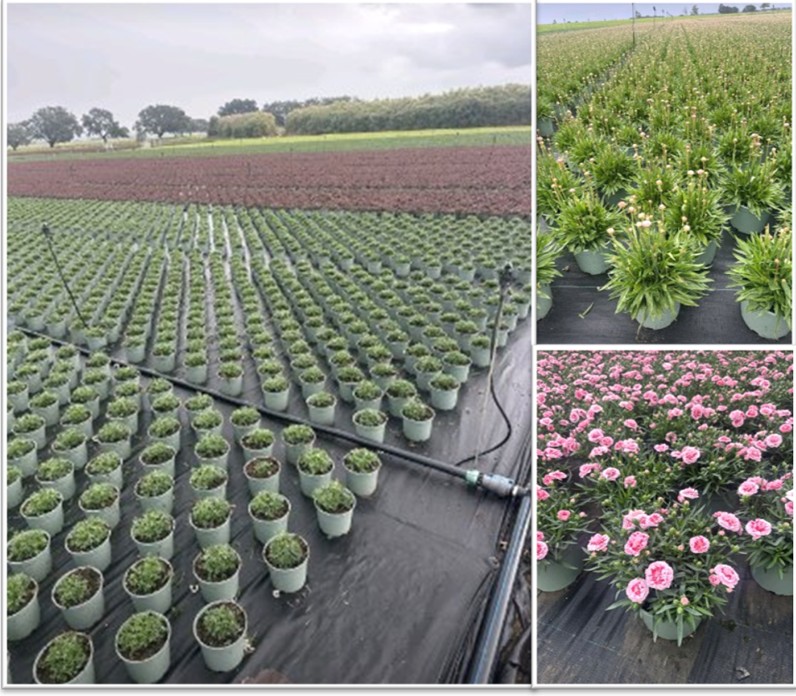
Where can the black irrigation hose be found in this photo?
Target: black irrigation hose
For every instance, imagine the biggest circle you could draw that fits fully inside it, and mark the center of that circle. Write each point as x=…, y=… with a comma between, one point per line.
x=491, y=482
x=47, y=235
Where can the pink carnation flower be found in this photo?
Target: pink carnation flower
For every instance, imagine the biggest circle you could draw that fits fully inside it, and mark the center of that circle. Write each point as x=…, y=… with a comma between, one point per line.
x=541, y=550
x=610, y=474
x=599, y=542
x=659, y=575
x=773, y=440
x=630, y=482
x=563, y=515
x=698, y=544
x=539, y=535
x=758, y=528
x=727, y=576
x=542, y=494
x=636, y=543
x=595, y=435
x=687, y=494
x=728, y=521
x=748, y=488
x=690, y=454
x=637, y=590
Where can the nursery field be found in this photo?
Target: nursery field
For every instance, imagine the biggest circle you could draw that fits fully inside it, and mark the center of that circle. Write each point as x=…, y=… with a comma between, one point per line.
x=237, y=359
x=486, y=178
x=665, y=517
x=664, y=182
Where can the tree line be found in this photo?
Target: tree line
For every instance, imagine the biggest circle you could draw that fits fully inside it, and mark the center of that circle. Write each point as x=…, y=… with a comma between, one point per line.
x=243, y=118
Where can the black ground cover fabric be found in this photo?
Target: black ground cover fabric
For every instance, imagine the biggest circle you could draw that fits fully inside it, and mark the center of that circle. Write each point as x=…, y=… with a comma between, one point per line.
x=396, y=601
x=717, y=318
x=581, y=643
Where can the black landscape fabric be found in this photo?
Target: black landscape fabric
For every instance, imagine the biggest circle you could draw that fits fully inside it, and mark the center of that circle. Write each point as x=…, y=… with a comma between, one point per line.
x=581, y=314
x=579, y=642
x=398, y=600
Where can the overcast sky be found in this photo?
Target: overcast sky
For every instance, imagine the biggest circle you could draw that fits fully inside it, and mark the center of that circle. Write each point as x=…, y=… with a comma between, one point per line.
x=589, y=12
x=124, y=57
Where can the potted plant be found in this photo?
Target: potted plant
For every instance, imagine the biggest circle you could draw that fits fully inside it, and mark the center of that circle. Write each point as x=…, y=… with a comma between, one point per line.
x=143, y=645
x=347, y=379
x=297, y=438
x=582, y=227
x=153, y=534
x=321, y=406
x=767, y=507
x=79, y=596
x=66, y=659
x=164, y=356
x=315, y=469
x=89, y=543
x=22, y=606
x=287, y=556
x=444, y=392
x=612, y=170
x=361, y=471
x=220, y=629
x=276, y=393
x=207, y=422
x=547, y=252
x=457, y=365
x=258, y=442
x=78, y=417
x=370, y=424
x=244, y=420
x=17, y=393
x=753, y=191
x=114, y=437
x=196, y=367
x=696, y=209
x=124, y=410
x=158, y=457
x=312, y=381
x=198, y=403
x=14, y=491
x=762, y=272
x=269, y=512
x=31, y=427
x=230, y=377
x=426, y=369
x=101, y=500
x=334, y=505
x=399, y=393
x=210, y=519
x=148, y=582
x=217, y=569
x=70, y=444
x=58, y=474
x=21, y=453
x=209, y=480
x=166, y=405
x=166, y=430
x=45, y=404
x=155, y=491
x=683, y=575
x=212, y=450
x=107, y=467
x=367, y=395
x=262, y=474
x=28, y=552
x=87, y=396
x=655, y=272
x=417, y=420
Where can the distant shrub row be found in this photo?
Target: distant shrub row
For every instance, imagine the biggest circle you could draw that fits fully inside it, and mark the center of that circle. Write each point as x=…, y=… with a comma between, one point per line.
x=253, y=125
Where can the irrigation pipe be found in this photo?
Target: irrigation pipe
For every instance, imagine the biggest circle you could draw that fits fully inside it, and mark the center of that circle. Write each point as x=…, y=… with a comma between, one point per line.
x=497, y=484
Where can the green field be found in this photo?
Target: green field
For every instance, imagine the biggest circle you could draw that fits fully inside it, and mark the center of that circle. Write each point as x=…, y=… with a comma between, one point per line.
x=509, y=135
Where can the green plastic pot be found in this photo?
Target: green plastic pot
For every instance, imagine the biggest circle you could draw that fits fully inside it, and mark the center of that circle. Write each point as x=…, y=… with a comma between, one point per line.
x=708, y=254
x=231, y=386
x=287, y=580
x=85, y=676
x=51, y=522
x=214, y=535
x=370, y=432
x=552, y=575
x=395, y=404
x=593, y=262
x=77, y=455
x=544, y=301
x=196, y=374
x=221, y=590
x=657, y=322
x=14, y=494
x=277, y=401
x=668, y=629
x=21, y=624
x=746, y=222
x=309, y=482
x=163, y=548
x=361, y=484
x=159, y=600
x=38, y=567
x=28, y=463
x=111, y=515
x=99, y=557
x=265, y=530
x=764, y=324
x=49, y=413
x=65, y=485
x=480, y=356
x=772, y=581
x=164, y=501
x=88, y=613
x=228, y=657
x=151, y=669
x=322, y=415
x=444, y=400
x=417, y=431
x=335, y=524
x=293, y=452
x=545, y=127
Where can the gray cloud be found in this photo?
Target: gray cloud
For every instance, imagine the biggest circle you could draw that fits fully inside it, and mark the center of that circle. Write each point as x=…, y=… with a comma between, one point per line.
x=126, y=56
